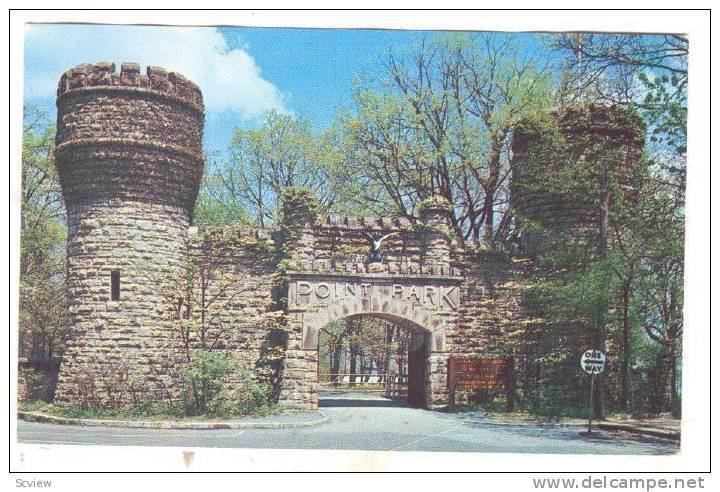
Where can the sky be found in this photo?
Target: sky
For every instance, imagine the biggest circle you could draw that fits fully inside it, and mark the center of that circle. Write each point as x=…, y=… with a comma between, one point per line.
x=242, y=72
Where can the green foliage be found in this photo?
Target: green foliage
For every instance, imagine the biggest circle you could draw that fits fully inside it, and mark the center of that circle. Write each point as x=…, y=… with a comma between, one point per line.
x=205, y=379
x=248, y=398
x=570, y=294
x=215, y=207
x=42, y=320
x=439, y=124
x=665, y=107
x=203, y=376
x=247, y=182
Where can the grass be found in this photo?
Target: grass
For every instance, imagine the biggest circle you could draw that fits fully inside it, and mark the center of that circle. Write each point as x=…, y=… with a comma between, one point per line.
x=155, y=411
x=496, y=408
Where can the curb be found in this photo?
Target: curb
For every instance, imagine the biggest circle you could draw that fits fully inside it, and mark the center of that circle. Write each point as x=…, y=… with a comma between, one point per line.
x=145, y=424
x=611, y=426
x=523, y=424
x=646, y=431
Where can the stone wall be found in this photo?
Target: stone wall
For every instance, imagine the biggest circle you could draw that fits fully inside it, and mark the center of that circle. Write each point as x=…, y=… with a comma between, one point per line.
x=235, y=284
x=341, y=244
x=129, y=158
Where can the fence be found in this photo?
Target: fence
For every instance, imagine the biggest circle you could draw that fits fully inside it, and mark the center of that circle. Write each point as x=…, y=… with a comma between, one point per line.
x=393, y=385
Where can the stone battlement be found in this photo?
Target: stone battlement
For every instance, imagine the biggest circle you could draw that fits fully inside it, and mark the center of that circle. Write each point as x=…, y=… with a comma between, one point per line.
x=156, y=81
x=128, y=136
x=354, y=222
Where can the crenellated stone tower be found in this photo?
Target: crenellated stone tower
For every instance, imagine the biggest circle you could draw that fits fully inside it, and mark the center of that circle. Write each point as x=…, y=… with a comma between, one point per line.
x=593, y=146
x=571, y=169
x=129, y=157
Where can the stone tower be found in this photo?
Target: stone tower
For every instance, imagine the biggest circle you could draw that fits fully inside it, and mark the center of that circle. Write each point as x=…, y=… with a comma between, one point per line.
x=129, y=158
x=435, y=225
x=586, y=145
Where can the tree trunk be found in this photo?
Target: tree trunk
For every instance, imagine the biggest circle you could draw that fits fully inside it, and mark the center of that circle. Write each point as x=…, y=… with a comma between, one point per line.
x=674, y=397
x=335, y=369
x=386, y=355
x=353, y=362
x=625, y=358
x=367, y=370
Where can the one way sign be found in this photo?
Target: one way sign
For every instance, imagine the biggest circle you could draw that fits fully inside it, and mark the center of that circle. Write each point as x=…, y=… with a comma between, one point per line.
x=592, y=361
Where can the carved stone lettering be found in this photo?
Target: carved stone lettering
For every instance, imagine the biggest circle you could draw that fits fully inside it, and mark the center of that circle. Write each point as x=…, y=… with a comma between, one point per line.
x=430, y=297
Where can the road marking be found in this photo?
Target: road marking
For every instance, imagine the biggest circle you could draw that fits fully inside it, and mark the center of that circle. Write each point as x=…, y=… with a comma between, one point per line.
x=87, y=435
x=426, y=437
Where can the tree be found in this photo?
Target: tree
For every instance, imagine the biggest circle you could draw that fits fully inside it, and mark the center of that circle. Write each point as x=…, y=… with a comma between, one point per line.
x=441, y=125
x=42, y=242
x=649, y=72
x=331, y=341
x=660, y=265
x=219, y=200
x=284, y=152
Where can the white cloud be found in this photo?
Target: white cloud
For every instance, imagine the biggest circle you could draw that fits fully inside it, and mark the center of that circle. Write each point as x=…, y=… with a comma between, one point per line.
x=229, y=78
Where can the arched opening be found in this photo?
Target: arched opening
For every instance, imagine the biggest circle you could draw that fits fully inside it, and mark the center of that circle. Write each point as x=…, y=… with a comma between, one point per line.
x=426, y=307
x=373, y=360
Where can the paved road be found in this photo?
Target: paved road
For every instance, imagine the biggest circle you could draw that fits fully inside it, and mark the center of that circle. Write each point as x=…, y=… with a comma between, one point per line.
x=364, y=423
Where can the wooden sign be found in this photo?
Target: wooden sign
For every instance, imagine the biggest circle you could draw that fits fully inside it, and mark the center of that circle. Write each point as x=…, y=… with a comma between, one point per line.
x=471, y=373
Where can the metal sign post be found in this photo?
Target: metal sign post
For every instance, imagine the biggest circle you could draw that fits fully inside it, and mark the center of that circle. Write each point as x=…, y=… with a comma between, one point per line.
x=590, y=404
x=593, y=363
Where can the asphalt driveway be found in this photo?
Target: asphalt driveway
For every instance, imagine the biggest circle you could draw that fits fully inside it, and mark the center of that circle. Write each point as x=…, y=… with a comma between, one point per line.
x=365, y=422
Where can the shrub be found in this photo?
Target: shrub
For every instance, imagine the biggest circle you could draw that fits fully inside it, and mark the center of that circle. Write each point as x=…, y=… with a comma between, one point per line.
x=209, y=394
x=203, y=377
x=249, y=397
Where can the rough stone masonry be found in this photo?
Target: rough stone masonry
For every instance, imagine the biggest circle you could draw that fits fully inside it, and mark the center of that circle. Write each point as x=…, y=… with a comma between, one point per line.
x=129, y=156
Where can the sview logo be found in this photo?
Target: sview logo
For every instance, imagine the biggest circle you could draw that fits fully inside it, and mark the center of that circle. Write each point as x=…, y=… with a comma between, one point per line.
x=20, y=483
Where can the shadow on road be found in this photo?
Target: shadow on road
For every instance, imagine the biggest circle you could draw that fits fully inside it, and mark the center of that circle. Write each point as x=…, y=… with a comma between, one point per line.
x=330, y=400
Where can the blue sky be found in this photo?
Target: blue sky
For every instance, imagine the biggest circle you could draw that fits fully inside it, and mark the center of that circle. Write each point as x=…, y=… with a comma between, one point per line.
x=243, y=72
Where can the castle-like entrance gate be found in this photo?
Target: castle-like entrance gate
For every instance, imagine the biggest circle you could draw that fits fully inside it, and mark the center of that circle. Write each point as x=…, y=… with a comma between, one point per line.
x=426, y=304
x=130, y=162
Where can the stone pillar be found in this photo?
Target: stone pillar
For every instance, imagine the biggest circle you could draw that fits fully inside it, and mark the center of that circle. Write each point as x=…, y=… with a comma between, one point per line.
x=436, y=233
x=437, y=393
x=299, y=212
x=435, y=229
x=298, y=390
x=129, y=158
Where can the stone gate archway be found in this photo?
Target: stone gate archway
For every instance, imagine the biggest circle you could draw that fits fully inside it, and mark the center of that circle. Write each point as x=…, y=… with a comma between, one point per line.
x=427, y=302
